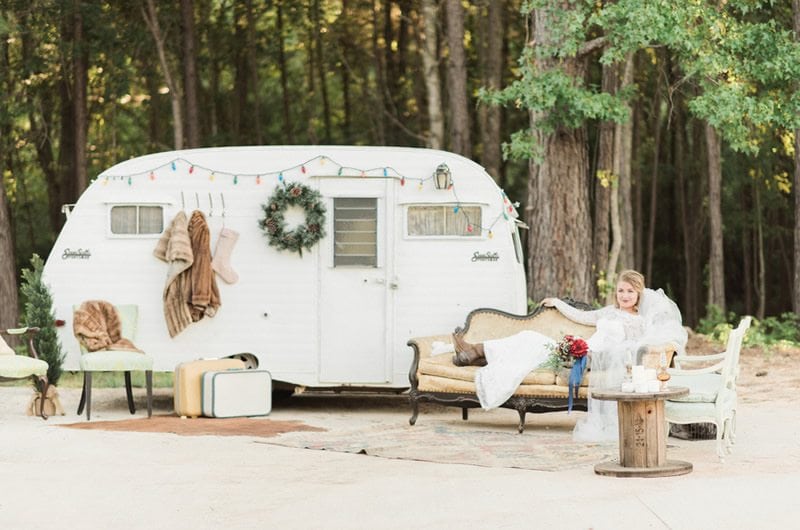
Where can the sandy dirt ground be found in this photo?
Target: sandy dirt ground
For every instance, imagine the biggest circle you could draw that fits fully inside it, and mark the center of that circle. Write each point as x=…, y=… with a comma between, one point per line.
x=96, y=479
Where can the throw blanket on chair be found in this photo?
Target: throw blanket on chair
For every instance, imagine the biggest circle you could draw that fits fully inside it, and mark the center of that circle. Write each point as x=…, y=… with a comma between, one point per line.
x=175, y=248
x=96, y=324
x=204, y=299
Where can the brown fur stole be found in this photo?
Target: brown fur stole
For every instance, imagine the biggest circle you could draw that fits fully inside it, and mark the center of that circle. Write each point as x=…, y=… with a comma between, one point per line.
x=97, y=325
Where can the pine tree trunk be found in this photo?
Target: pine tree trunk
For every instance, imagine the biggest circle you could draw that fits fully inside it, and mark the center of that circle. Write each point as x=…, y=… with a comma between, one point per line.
x=345, y=45
x=460, y=141
x=79, y=105
x=796, y=183
x=716, y=262
x=430, y=68
x=190, y=82
x=623, y=154
x=651, y=226
x=380, y=80
x=285, y=98
x=321, y=67
x=761, y=276
x=602, y=183
x=151, y=19
x=557, y=211
x=8, y=273
x=491, y=156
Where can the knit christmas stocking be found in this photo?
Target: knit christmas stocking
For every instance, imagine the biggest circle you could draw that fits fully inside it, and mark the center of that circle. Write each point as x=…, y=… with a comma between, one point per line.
x=221, y=263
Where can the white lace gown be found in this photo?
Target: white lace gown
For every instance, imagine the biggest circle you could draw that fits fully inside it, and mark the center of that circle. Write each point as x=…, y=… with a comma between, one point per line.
x=618, y=335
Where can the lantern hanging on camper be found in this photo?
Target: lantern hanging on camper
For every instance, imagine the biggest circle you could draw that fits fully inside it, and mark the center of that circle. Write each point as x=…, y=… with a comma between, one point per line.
x=441, y=177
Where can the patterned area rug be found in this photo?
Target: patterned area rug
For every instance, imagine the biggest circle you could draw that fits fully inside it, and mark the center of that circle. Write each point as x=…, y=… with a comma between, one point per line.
x=538, y=449
x=259, y=427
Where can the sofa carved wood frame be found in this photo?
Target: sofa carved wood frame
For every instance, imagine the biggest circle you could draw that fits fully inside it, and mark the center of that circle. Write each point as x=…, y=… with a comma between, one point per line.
x=496, y=324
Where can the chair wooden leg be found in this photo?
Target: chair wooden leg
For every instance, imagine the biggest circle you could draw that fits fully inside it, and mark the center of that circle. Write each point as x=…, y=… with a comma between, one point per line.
x=87, y=388
x=82, y=402
x=148, y=376
x=129, y=391
x=43, y=385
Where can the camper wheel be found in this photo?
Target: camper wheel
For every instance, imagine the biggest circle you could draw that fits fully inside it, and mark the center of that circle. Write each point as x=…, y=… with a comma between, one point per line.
x=250, y=361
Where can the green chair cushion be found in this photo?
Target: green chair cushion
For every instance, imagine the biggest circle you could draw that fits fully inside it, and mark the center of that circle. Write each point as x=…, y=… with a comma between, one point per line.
x=116, y=361
x=703, y=388
x=19, y=366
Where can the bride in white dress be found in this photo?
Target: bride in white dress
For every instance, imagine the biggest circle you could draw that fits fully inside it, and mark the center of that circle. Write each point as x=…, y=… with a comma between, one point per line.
x=639, y=317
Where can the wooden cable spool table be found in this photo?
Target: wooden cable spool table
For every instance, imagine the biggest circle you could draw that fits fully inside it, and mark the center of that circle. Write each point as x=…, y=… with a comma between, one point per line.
x=642, y=435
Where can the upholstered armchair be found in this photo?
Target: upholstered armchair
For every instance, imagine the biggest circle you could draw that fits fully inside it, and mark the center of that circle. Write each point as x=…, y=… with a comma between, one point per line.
x=14, y=367
x=112, y=360
x=712, y=389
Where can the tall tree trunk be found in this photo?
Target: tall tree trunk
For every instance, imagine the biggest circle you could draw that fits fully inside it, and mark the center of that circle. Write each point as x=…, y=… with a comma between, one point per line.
x=190, y=82
x=716, y=261
x=321, y=70
x=8, y=274
x=430, y=67
x=80, y=59
x=254, y=110
x=761, y=289
x=623, y=154
x=460, y=141
x=380, y=79
x=651, y=226
x=285, y=98
x=605, y=179
x=559, y=257
x=151, y=19
x=345, y=44
x=796, y=183
x=491, y=156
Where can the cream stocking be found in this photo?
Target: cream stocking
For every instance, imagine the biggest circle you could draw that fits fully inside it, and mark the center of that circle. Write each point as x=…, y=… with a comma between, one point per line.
x=221, y=263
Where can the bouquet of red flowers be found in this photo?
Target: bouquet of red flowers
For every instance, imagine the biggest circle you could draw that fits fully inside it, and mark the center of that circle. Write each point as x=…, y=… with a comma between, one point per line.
x=567, y=351
x=570, y=352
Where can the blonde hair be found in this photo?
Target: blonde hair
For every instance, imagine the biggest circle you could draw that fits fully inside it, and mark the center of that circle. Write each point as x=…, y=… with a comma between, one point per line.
x=636, y=279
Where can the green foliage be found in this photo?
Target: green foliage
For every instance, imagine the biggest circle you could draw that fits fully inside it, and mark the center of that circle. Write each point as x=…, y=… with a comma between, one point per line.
x=783, y=329
x=39, y=313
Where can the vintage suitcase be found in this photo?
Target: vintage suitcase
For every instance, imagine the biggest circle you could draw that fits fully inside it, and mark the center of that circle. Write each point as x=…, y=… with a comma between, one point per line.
x=235, y=393
x=187, y=385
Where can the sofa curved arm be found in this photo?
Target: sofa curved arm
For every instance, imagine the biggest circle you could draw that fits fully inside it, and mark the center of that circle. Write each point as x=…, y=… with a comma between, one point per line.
x=423, y=348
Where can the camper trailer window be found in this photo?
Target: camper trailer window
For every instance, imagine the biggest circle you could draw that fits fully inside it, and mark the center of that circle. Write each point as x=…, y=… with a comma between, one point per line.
x=444, y=220
x=355, y=223
x=136, y=220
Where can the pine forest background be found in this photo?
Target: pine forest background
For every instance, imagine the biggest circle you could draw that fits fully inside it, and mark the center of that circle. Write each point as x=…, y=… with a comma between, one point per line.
x=656, y=135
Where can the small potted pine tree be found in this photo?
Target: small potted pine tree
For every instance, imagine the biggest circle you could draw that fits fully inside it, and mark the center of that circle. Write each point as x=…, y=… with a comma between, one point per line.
x=39, y=313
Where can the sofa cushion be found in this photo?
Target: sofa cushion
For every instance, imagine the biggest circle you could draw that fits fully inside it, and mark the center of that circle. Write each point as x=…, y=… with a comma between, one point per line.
x=432, y=383
x=442, y=366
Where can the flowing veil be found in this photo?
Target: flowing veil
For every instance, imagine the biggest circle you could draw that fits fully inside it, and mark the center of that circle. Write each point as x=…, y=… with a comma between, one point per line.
x=610, y=349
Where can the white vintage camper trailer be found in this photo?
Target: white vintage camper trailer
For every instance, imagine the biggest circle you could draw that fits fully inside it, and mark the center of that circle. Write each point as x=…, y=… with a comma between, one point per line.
x=405, y=253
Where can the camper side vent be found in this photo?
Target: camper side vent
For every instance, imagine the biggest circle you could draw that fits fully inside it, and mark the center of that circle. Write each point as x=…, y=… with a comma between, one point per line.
x=355, y=241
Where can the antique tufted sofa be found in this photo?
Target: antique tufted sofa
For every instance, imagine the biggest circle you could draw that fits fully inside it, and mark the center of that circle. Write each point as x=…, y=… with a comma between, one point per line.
x=434, y=377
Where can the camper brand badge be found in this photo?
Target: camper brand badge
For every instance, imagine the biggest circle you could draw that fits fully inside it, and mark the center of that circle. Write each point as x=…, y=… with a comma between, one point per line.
x=81, y=253
x=485, y=256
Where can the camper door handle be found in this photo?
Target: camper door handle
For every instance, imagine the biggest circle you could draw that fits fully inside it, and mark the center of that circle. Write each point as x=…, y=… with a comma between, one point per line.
x=393, y=285
x=380, y=281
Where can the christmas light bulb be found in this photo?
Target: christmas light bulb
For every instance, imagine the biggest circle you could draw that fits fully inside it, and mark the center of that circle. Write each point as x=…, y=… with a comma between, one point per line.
x=212, y=176
x=258, y=179
x=236, y=179
x=191, y=169
x=152, y=176
x=173, y=165
x=402, y=181
x=385, y=172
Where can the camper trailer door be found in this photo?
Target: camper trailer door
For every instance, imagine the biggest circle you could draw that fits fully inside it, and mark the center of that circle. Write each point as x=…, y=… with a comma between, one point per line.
x=355, y=292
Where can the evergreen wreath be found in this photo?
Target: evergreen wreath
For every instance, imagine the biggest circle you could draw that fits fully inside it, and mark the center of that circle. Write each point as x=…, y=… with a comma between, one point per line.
x=273, y=223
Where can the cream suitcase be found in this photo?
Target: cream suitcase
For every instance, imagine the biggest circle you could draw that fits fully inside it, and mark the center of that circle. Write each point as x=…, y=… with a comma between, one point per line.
x=236, y=393
x=188, y=384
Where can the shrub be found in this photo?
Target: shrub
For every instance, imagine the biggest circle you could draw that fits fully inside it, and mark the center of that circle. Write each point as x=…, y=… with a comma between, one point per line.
x=39, y=313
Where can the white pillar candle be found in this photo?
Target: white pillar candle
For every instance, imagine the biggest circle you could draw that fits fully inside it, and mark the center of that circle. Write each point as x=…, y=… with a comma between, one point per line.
x=638, y=374
x=653, y=385
x=650, y=374
x=627, y=386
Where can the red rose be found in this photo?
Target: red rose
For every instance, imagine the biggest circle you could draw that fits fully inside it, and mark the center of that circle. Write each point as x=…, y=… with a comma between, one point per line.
x=578, y=347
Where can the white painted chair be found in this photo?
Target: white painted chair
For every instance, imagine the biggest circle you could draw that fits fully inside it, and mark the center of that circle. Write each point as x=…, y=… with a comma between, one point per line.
x=14, y=367
x=712, y=389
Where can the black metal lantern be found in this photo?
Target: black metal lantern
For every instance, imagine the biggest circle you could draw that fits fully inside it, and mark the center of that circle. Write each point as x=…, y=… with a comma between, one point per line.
x=441, y=177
